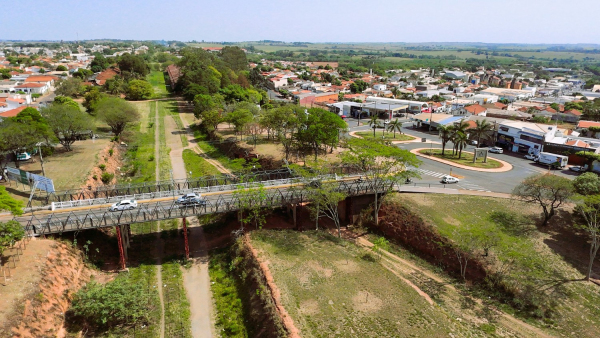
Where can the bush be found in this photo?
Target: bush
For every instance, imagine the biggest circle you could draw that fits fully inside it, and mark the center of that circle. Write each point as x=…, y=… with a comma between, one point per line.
x=10, y=232
x=95, y=177
x=106, y=178
x=151, y=158
x=47, y=150
x=111, y=152
x=120, y=302
x=36, y=95
x=102, y=167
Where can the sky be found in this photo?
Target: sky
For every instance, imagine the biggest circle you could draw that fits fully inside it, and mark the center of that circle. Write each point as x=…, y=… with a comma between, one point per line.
x=491, y=21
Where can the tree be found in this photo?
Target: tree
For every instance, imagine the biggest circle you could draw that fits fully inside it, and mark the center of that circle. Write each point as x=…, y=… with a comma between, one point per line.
x=117, y=113
x=460, y=141
x=91, y=99
x=381, y=243
x=133, y=66
x=589, y=210
x=69, y=87
x=210, y=120
x=482, y=129
x=319, y=128
x=234, y=57
x=325, y=199
x=193, y=90
x=16, y=138
x=394, y=126
x=381, y=164
x=115, y=86
x=240, y=119
x=251, y=200
x=61, y=68
x=10, y=232
x=587, y=184
x=67, y=123
x=140, y=90
x=65, y=100
x=5, y=74
x=374, y=123
x=446, y=133
x=99, y=63
x=204, y=102
x=255, y=129
x=549, y=191
x=358, y=86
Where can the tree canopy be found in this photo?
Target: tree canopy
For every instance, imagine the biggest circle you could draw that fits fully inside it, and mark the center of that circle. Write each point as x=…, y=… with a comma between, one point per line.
x=548, y=191
x=140, y=90
x=117, y=113
x=67, y=122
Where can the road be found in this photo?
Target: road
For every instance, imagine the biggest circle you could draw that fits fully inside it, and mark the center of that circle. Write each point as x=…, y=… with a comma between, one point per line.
x=432, y=171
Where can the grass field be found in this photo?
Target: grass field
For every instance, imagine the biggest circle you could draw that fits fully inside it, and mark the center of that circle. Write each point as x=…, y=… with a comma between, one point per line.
x=466, y=159
x=215, y=153
x=157, y=80
x=548, y=263
x=332, y=287
x=386, y=136
x=197, y=165
x=164, y=162
x=177, y=307
x=141, y=150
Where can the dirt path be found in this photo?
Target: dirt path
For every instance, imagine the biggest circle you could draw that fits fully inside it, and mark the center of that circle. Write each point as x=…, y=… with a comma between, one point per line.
x=404, y=269
x=196, y=280
x=159, y=242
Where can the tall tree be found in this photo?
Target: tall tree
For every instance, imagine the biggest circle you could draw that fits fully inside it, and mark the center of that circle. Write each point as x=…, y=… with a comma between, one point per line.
x=589, y=210
x=133, y=66
x=548, y=191
x=67, y=123
x=446, y=133
x=71, y=87
x=117, y=113
x=381, y=164
x=140, y=90
x=482, y=130
x=394, y=126
x=374, y=123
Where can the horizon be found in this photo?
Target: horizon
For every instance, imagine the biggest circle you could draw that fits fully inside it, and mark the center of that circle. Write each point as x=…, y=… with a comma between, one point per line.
x=532, y=22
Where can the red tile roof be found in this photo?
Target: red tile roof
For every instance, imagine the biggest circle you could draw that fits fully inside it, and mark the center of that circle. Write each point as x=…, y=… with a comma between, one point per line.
x=475, y=109
x=573, y=112
x=41, y=78
x=12, y=112
x=31, y=85
x=587, y=124
x=577, y=143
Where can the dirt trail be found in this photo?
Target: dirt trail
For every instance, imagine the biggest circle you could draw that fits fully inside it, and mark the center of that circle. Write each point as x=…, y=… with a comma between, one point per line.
x=196, y=280
x=159, y=242
x=404, y=269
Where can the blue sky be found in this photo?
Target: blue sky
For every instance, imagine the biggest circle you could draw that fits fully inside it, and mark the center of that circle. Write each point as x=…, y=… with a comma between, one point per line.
x=494, y=21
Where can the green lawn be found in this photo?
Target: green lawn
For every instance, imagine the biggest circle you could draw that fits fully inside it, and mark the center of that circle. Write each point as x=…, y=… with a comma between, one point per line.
x=177, y=307
x=164, y=162
x=544, y=265
x=386, y=135
x=197, y=165
x=466, y=159
x=215, y=153
x=157, y=80
x=140, y=153
x=332, y=287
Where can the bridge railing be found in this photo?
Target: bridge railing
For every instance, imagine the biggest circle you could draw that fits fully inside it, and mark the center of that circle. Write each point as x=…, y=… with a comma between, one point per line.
x=174, y=193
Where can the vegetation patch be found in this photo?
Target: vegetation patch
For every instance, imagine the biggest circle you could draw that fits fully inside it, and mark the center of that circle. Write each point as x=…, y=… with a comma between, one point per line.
x=177, y=307
x=465, y=159
x=198, y=166
x=157, y=80
x=227, y=296
x=386, y=136
x=140, y=164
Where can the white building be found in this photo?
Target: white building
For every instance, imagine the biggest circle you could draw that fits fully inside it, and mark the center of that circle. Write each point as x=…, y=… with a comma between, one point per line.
x=526, y=137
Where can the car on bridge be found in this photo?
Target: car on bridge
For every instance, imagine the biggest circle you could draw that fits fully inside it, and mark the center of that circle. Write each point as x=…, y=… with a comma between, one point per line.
x=191, y=199
x=124, y=205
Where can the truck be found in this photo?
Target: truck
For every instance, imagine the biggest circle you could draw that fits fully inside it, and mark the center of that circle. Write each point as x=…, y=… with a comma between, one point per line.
x=553, y=160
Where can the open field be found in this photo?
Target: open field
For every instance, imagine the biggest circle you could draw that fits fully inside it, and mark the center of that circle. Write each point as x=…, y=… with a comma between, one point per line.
x=333, y=287
x=547, y=262
x=466, y=158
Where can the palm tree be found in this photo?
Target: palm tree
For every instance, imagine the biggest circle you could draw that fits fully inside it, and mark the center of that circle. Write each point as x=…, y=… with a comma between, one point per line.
x=395, y=126
x=374, y=123
x=446, y=133
x=460, y=140
x=481, y=130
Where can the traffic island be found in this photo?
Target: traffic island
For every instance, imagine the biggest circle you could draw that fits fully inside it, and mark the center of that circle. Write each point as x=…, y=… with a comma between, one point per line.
x=465, y=162
x=388, y=136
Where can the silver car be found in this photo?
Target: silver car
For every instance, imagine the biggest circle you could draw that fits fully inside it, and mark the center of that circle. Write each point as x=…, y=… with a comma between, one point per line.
x=123, y=205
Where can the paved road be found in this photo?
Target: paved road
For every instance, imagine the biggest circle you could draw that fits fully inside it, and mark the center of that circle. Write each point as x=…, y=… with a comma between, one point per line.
x=432, y=171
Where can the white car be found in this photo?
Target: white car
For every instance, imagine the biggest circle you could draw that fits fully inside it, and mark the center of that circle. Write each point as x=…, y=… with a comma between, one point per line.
x=496, y=150
x=531, y=157
x=123, y=205
x=578, y=168
x=449, y=179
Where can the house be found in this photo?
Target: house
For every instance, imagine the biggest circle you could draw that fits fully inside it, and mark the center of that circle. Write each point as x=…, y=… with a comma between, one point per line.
x=380, y=87
x=106, y=75
x=174, y=72
x=11, y=112
x=476, y=109
x=33, y=88
x=46, y=79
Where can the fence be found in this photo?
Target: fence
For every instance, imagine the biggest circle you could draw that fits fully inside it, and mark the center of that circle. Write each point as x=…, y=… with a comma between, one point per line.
x=16, y=250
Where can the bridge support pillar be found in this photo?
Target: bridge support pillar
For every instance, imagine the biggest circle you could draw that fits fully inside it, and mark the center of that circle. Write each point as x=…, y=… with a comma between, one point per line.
x=349, y=211
x=122, y=248
x=294, y=213
x=185, y=239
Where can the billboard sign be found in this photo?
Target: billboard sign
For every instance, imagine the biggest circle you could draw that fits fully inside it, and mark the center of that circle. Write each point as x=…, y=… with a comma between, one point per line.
x=43, y=183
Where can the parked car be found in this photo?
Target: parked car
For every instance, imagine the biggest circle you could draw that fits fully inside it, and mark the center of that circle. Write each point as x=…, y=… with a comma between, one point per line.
x=579, y=168
x=123, y=205
x=531, y=157
x=449, y=179
x=23, y=157
x=399, y=115
x=191, y=198
x=496, y=150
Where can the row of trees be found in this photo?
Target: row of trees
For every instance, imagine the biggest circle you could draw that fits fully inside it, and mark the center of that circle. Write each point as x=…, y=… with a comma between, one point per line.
x=458, y=134
x=381, y=164
x=61, y=122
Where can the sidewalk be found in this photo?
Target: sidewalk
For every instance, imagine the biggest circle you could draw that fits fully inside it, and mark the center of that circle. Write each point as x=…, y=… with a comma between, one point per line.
x=449, y=191
x=505, y=165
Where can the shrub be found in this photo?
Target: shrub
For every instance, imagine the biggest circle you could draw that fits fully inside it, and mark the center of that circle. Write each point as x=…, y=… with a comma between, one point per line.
x=111, y=152
x=36, y=95
x=47, y=151
x=102, y=167
x=95, y=177
x=120, y=302
x=106, y=178
x=151, y=158
x=10, y=232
